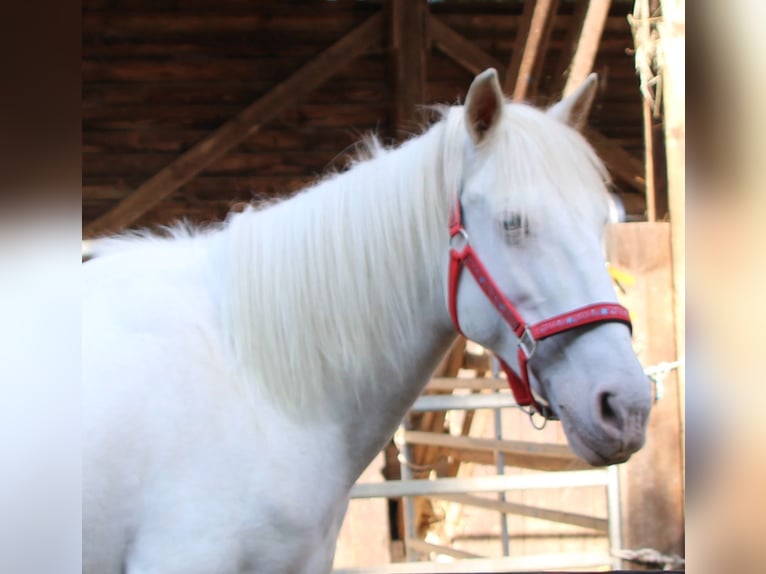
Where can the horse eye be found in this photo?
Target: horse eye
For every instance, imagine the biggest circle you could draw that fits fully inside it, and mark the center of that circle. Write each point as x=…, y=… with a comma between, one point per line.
x=514, y=227
x=512, y=222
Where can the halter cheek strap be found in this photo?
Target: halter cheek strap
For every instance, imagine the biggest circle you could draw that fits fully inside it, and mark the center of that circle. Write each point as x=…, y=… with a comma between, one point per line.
x=463, y=255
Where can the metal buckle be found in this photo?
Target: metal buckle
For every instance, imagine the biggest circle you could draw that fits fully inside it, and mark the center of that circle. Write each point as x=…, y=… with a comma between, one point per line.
x=527, y=343
x=459, y=241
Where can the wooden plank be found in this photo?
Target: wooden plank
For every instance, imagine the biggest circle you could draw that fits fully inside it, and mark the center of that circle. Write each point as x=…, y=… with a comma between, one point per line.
x=497, y=483
x=548, y=464
x=651, y=482
x=576, y=519
x=621, y=164
x=587, y=44
x=475, y=384
x=426, y=548
x=408, y=45
x=530, y=563
x=276, y=19
x=427, y=455
x=649, y=174
x=229, y=91
x=255, y=73
x=517, y=453
x=673, y=38
x=569, y=45
x=538, y=70
x=271, y=139
x=490, y=445
x=461, y=49
x=447, y=402
x=530, y=47
x=189, y=164
x=434, y=421
x=137, y=165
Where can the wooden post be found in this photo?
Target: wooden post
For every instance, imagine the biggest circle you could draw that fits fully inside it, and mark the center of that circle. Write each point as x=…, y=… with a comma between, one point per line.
x=673, y=39
x=587, y=44
x=529, y=48
x=651, y=188
x=651, y=483
x=408, y=46
x=569, y=46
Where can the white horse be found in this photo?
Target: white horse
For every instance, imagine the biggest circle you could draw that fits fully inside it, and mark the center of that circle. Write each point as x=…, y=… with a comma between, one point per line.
x=238, y=380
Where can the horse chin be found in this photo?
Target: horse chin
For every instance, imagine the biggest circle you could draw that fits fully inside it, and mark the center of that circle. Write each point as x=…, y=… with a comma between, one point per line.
x=591, y=454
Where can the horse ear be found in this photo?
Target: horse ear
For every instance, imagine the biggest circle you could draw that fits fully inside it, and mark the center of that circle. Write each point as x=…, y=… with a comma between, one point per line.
x=483, y=104
x=574, y=109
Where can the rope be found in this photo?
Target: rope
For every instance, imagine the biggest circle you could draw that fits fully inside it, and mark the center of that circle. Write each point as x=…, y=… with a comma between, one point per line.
x=657, y=374
x=648, y=53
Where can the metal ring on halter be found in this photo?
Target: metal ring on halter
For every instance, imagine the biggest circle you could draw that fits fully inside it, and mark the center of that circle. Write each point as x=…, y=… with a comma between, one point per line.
x=532, y=413
x=527, y=343
x=461, y=243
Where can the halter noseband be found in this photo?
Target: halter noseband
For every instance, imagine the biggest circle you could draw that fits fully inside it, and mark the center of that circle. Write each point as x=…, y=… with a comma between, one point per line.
x=463, y=255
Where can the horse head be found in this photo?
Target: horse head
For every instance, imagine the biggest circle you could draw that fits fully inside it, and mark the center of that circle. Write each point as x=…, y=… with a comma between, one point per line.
x=531, y=213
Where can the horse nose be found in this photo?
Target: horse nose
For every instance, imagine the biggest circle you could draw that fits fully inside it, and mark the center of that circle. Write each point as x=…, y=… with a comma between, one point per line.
x=622, y=418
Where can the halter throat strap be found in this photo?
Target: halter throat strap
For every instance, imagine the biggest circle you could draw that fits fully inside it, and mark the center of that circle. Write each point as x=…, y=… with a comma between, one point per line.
x=462, y=255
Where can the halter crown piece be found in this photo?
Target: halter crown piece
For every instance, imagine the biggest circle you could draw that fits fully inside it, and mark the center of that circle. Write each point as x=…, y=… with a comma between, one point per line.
x=463, y=255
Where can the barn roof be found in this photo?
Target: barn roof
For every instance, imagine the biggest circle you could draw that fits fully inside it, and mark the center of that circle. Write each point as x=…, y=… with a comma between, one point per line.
x=191, y=106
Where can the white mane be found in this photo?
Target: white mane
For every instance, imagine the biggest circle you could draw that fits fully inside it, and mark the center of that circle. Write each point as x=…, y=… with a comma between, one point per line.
x=326, y=284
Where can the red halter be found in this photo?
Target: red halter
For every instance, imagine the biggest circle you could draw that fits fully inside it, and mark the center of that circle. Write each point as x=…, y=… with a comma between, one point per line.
x=462, y=254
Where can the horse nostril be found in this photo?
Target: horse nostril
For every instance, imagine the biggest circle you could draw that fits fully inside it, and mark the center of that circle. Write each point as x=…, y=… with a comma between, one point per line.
x=610, y=416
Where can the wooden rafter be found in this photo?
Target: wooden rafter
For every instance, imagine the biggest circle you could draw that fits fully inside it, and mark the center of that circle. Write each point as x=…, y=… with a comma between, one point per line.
x=265, y=108
x=588, y=41
x=530, y=47
x=569, y=46
x=621, y=164
x=461, y=49
x=408, y=42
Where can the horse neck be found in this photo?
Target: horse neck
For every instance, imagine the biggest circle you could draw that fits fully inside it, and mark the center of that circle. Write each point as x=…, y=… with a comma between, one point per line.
x=349, y=277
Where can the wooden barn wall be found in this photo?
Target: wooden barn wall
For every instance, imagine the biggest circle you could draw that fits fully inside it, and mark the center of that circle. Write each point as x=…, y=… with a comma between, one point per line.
x=159, y=75
x=652, y=482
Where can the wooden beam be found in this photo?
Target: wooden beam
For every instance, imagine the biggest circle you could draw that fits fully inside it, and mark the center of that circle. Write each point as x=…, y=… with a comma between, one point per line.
x=587, y=44
x=206, y=151
x=590, y=562
x=651, y=482
x=569, y=46
x=673, y=41
x=530, y=47
x=492, y=483
x=537, y=456
x=408, y=43
x=649, y=173
x=426, y=548
x=554, y=456
x=621, y=164
x=548, y=464
x=517, y=53
x=461, y=49
x=474, y=384
x=576, y=519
